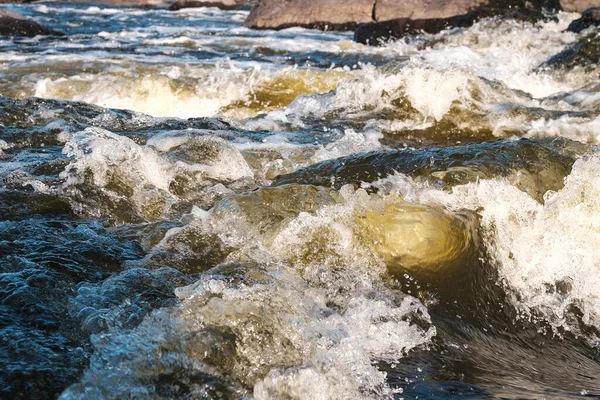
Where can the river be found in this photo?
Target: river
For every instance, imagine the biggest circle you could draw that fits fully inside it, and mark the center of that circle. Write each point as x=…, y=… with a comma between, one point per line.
x=192, y=209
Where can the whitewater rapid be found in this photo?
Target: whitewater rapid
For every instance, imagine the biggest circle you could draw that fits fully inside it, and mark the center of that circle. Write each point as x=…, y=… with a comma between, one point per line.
x=192, y=209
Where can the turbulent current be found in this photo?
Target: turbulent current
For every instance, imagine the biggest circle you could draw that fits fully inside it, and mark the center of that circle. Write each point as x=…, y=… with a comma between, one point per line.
x=192, y=209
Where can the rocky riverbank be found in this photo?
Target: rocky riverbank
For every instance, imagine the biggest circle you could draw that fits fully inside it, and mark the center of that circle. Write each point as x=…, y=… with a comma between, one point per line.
x=342, y=14
x=374, y=21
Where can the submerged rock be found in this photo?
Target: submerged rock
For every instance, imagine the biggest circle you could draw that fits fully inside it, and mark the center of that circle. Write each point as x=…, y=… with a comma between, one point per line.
x=222, y=4
x=535, y=166
x=584, y=53
x=14, y=24
x=590, y=17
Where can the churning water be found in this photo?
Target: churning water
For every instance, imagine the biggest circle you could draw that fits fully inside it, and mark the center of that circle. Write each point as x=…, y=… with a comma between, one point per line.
x=191, y=209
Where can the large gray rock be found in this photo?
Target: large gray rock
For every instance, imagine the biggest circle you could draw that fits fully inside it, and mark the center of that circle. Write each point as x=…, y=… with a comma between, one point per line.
x=318, y=14
x=347, y=14
x=222, y=4
x=13, y=24
x=590, y=17
x=578, y=5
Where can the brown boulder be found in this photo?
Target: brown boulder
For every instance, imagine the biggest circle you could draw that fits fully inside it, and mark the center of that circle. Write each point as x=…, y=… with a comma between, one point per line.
x=222, y=4
x=419, y=9
x=347, y=14
x=13, y=24
x=318, y=14
x=590, y=17
x=577, y=5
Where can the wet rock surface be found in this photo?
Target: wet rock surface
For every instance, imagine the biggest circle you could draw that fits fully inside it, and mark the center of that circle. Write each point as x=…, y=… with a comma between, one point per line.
x=333, y=14
x=378, y=32
x=590, y=17
x=583, y=54
x=14, y=24
x=541, y=170
x=324, y=14
x=415, y=9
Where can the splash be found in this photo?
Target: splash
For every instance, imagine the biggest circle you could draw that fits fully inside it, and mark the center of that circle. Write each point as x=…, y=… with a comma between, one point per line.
x=285, y=310
x=113, y=176
x=191, y=91
x=546, y=254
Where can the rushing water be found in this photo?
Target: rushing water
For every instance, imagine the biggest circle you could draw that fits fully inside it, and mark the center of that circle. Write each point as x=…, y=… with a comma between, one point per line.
x=192, y=209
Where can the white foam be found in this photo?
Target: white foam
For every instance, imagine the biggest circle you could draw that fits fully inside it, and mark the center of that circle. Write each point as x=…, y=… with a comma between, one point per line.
x=4, y=146
x=186, y=91
x=547, y=255
x=156, y=93
x=507, y=51
x=550, y=254
x=143, y=174
x=479, y=70
x=310, y=318
x=228, y=165
x=351, y=142
x=101, y=152
x=432, y=92
x=576, y=128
